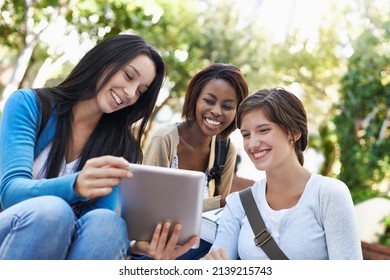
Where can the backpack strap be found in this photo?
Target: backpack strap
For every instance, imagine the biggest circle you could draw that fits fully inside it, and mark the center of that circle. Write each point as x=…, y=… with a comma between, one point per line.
x=221, y=150
x=263, y=238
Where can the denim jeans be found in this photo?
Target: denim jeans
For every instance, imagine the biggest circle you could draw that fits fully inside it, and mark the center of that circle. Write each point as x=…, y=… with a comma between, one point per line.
x=46, y=228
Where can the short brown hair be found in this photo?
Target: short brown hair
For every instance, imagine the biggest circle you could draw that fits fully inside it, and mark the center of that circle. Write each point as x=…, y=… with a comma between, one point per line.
x=282, y=108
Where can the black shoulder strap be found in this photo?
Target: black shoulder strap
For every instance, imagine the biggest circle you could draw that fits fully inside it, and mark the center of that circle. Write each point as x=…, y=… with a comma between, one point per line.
x=263, y=238
x=221, y=150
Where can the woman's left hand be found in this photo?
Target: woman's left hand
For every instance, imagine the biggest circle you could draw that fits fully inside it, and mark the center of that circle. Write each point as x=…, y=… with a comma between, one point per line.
x=160, y=247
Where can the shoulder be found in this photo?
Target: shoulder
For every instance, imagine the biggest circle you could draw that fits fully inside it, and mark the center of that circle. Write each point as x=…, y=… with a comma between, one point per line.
x=164, y=136
x=22, y=98
x=328, y=187
x=234, y=200
x=165, y=130
x=233, y=203
x=22, y=105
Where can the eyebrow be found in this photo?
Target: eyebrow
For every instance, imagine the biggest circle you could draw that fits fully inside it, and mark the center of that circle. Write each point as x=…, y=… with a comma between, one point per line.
x=138, y=74
x=135, y=69
x=257, y=127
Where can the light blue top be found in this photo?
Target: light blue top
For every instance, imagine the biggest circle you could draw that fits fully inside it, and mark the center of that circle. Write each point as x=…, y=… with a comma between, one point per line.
x=19, y=126
x=322, y=225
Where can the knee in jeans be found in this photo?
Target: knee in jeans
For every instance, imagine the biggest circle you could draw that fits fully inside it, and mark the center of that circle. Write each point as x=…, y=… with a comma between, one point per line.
x=54, y=211
x=105, y=219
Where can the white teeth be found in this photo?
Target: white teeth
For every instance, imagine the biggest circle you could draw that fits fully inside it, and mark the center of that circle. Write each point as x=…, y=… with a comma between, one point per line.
x=260, y=154
x=116, y=97
x=212, y=122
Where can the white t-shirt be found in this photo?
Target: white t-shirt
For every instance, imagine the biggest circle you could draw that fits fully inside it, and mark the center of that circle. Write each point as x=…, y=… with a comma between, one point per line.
x=39, y=165
x=322, y=225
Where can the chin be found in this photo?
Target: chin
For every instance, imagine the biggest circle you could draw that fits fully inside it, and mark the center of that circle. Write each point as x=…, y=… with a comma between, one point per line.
x=259, y=166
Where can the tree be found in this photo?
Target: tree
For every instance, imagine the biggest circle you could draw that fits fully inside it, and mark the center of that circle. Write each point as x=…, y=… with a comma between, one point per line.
x=177, y=34
x=22, y=23
x=233, y=37
x=313, y=67
x=362, y=122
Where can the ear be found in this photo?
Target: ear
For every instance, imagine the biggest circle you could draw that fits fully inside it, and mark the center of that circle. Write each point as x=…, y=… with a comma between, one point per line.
x=296, y=137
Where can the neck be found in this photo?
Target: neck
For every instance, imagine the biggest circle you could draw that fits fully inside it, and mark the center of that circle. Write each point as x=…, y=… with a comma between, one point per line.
x=190, y=133
x=292, y=176
x=284, y=190
x=86, y=113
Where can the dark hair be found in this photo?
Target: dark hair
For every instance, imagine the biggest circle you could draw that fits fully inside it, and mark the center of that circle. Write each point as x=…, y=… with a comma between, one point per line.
x=115, y=132
x=226, y=72
x=282, y=108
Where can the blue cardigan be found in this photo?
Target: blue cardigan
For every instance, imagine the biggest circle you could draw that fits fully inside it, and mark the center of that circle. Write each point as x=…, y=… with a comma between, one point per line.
x=19, y=126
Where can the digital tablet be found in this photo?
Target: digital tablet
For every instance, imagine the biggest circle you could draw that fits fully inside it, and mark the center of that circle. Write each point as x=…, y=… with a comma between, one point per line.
x=158, y=194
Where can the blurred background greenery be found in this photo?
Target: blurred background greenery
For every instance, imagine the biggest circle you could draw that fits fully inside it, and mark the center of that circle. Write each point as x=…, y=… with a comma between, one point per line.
x=340, y=69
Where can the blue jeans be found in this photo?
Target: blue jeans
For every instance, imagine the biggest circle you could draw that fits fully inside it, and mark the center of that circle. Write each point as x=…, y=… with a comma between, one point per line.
x=46, y=228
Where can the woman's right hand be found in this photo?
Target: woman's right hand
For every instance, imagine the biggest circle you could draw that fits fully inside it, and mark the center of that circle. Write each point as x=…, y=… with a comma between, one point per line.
x=99, y=175
x=160, y=247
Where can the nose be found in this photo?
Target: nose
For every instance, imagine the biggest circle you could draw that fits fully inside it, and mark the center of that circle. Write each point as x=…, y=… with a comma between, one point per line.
x=130, y=92
x=253, y=142
x=216, y=110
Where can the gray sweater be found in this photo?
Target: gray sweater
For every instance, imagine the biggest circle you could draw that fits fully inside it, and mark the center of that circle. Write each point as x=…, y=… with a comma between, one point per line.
x=322, y=225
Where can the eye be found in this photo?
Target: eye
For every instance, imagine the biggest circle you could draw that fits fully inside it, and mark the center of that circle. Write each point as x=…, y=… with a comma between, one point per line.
x=209, y=101
x=245, y=134
x=128, y=76
x=264, y=130
x=229, y=107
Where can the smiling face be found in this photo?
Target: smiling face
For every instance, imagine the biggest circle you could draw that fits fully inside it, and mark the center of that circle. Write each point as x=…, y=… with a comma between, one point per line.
x=127, y=85
x=266, y=144
x=216, y=107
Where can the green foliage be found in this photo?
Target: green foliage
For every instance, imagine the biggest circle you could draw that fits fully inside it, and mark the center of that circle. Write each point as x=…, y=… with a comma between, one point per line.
x=326, y=142
x=316, y=67
x=11, y=19
x=16, y=16
x=169, y=25
x=99, y=19
x=384, y=239
x=362, y=111
x=364, y=193
x=176, y=32
x=230, y=38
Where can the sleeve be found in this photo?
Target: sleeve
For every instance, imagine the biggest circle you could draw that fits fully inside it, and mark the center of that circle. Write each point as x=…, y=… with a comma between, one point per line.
x=158, y=151
x=229, y=227
x=339, y=222
x=227, y=173
x=18, y=129
x=110, y=201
